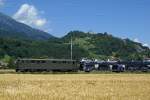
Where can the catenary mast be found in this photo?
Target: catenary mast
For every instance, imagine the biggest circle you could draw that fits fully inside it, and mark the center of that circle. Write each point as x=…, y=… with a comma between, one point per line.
x=71, y=48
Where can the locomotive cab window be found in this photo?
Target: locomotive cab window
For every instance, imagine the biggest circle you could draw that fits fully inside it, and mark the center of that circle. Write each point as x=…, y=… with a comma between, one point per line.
x=73, y=62
x=18, y=60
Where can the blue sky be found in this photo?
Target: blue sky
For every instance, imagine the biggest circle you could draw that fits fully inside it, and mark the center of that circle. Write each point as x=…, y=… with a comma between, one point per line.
x=121, y=18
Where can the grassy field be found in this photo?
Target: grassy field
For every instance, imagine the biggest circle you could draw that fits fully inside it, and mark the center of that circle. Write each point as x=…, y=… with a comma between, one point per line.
x=75, y=87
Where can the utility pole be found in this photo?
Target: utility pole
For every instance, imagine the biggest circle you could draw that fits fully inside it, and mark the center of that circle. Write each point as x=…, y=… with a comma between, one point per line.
x=71, y=48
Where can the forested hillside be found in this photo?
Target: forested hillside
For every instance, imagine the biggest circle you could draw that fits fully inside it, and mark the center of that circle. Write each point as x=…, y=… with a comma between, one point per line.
x=100, y=45
x=104, y=46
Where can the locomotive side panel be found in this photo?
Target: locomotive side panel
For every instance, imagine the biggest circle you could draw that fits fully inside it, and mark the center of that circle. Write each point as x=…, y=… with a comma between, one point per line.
x=47, y=65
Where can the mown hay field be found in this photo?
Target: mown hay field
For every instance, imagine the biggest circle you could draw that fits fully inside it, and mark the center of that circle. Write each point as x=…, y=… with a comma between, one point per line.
x=75, y=87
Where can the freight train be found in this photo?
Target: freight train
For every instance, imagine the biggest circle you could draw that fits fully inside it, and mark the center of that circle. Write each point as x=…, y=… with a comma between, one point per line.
x=66, y=65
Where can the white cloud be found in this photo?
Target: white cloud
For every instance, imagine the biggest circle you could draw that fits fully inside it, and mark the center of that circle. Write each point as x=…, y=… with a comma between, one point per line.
x=145, y=45
x=40, y=22
x=136, y=40
x=1, y=3
x=29, y=15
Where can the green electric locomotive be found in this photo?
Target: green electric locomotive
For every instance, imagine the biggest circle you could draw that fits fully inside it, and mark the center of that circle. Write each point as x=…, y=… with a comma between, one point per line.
x=37, y=65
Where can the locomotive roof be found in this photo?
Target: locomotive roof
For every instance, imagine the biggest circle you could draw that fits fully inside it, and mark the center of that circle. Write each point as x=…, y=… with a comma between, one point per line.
x=48, y=59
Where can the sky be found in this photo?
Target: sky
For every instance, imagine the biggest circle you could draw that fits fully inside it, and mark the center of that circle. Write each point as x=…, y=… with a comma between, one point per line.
x=121, y=18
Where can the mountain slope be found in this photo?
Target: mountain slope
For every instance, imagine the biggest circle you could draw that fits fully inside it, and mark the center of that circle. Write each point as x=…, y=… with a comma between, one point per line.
x=11, y=28
x=101, y=45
